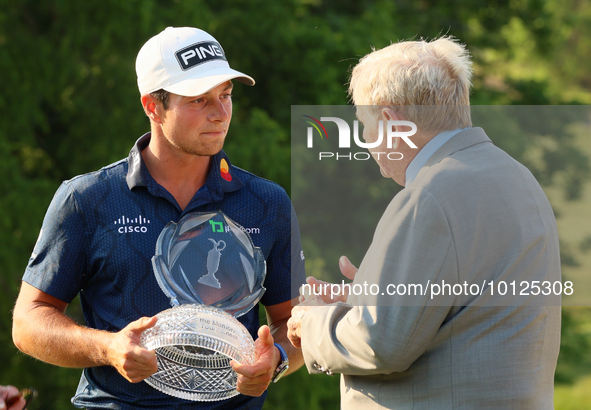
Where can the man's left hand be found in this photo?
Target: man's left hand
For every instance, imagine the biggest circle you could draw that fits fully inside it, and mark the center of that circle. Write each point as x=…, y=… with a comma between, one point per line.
x=294, y=324
x=254, y=379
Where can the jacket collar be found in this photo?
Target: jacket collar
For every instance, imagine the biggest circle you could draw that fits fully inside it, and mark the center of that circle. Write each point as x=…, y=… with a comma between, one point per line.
x=458, y=142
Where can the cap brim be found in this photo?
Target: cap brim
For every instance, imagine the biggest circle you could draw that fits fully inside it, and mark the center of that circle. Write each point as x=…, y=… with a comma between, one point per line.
x=196, y=86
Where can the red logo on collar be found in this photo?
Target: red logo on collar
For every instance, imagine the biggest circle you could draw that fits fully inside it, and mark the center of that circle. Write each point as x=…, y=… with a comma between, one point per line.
x=225, y=170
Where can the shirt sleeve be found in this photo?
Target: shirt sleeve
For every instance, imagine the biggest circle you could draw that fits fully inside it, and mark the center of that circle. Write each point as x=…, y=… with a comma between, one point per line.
x=285, y=264
x=58, y=262
x=383, y=332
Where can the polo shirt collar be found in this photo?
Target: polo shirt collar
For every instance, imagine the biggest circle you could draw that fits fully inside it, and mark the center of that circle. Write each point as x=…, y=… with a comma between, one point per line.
x=220, y=179
x=137, y=172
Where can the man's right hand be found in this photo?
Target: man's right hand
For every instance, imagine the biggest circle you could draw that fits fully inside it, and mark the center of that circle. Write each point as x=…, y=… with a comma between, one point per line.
x=124, y=353
x=324, y=288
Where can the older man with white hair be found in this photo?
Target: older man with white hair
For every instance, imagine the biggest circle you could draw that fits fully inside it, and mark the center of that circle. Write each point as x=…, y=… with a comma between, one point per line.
x=468, y=214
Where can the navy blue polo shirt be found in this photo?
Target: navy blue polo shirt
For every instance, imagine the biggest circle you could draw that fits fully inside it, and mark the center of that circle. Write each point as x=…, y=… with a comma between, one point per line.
x=98, y=238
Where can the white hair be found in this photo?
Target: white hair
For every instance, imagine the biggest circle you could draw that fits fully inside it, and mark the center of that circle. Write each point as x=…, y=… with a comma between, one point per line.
x=415, y=77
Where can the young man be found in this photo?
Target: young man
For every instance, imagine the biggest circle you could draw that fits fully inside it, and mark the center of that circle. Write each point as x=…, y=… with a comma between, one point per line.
x=100, y=231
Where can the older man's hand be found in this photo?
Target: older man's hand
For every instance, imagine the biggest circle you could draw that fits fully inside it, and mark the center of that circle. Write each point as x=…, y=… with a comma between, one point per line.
x=323, y=293
x=294, y=324
x=330, y=292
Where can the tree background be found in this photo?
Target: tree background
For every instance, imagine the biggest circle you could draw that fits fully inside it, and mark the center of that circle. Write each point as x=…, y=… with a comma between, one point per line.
x=69, y=104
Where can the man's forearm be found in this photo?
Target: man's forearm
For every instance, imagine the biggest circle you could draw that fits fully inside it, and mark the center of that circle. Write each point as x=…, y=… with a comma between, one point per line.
x=49, y=335
x=42, y=330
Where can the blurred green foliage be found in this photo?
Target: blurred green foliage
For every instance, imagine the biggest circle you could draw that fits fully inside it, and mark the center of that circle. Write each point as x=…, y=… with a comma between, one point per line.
x=69, y=105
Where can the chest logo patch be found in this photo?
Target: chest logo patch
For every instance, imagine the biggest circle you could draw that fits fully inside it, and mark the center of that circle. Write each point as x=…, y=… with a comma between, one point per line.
x=225, y=170
x=132, y=225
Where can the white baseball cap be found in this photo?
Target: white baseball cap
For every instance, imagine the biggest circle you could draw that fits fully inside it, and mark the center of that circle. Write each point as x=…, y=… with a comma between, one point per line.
x=184, y=60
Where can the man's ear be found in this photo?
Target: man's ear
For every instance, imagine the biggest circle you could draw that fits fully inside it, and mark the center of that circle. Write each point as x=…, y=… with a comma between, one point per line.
x=388, y=114
x=152, y=108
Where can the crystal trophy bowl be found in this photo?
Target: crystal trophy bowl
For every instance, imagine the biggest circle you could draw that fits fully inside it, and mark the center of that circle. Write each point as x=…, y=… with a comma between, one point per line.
x=209, y=268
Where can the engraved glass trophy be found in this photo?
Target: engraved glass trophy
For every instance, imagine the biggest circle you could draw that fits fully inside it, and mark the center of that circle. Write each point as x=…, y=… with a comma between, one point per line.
x=211, y=271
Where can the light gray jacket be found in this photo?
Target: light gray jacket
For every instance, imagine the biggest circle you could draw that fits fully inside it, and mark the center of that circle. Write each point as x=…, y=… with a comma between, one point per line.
x=473, y=214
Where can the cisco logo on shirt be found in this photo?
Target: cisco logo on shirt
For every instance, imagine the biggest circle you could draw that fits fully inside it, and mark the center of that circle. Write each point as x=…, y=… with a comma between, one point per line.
x=132, y=225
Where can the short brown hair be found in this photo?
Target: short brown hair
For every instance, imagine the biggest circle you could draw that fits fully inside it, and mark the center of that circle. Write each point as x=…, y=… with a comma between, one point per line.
x=163, y=96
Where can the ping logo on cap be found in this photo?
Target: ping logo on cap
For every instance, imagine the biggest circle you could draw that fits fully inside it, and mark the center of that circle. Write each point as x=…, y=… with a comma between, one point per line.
x=199, y=53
